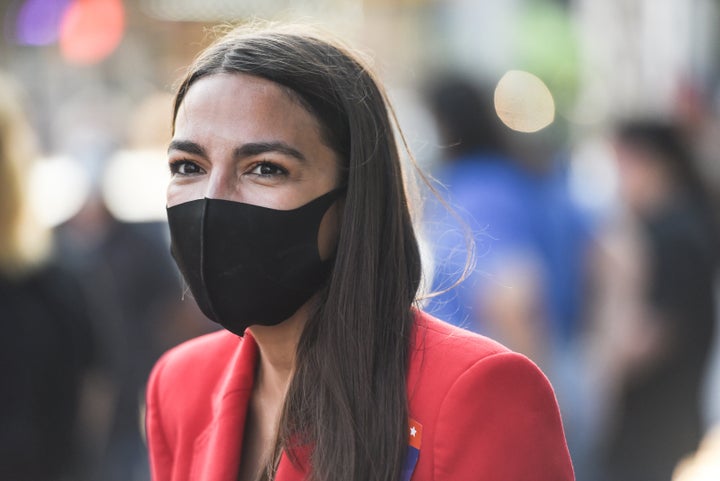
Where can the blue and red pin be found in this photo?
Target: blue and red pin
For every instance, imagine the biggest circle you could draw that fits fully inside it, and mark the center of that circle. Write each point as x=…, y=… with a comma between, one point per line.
x=413, y=452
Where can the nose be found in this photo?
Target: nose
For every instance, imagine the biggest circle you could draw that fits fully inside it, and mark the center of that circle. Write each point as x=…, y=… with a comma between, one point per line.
x=221, y=184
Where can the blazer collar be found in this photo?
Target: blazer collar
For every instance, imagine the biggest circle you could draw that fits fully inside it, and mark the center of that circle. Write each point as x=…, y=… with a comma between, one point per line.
x=218, y=449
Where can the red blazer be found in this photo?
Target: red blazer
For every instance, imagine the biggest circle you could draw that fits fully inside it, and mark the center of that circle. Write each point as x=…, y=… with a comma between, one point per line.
x=484, y=413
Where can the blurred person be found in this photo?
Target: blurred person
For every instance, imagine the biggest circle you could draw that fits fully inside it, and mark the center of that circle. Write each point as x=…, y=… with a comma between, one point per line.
x=46, y=339
x=132, y=288
x=290, y=222
x=496, y=196
x=696, y=108
x=661, y=347
x=134, y=291
x=529, y=237
x=527, y=287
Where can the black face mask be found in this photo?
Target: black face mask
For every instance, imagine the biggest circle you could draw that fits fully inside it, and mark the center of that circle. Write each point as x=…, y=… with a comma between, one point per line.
x=247, y=264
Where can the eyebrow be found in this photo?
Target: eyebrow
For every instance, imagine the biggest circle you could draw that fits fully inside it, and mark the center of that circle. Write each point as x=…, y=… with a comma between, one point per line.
x=246, y=150
x=255, y=148
x=187, y=146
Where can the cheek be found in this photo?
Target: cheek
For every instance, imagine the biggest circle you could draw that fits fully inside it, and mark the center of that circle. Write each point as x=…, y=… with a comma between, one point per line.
x=178, y=193
x=328, y=233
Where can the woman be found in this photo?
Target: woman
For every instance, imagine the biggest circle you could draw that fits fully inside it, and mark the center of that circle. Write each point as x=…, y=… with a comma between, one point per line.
x=290, y=224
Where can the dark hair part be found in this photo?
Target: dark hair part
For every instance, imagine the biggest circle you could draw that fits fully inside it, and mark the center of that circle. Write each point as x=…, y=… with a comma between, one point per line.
x=347, y=398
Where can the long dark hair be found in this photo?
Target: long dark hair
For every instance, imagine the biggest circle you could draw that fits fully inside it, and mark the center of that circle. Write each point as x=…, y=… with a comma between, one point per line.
x=347, y=398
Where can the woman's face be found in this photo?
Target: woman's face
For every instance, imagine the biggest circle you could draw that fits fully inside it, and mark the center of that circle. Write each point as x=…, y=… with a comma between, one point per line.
x=243, y=138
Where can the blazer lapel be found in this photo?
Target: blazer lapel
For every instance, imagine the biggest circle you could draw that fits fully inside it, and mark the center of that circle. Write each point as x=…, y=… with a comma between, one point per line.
x=217, y=451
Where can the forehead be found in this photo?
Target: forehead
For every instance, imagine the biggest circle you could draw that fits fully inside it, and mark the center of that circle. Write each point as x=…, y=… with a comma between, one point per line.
x=243, y=105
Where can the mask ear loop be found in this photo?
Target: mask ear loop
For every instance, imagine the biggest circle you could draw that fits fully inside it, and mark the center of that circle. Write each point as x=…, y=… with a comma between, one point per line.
x=186, y=290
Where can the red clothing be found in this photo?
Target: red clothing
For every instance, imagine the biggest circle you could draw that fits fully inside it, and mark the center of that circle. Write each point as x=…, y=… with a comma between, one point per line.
x=486, y=413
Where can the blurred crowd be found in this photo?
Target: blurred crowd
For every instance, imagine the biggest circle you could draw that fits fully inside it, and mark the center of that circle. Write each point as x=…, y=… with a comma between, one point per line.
x=86, y=311
x=616, y=300
x=618, y=305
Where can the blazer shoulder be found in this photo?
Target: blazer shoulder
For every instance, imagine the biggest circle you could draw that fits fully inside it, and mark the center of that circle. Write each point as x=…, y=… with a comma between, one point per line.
x=484, y=409
x=434, y=338
x=504, y=410
x=440, y=354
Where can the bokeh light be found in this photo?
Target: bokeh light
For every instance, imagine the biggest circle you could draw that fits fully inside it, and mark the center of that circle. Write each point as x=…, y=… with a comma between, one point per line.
x=703, y=465
x=59, y=187
x=523, y=102
x=132, y=197
x=91, y=30
x=38, y=21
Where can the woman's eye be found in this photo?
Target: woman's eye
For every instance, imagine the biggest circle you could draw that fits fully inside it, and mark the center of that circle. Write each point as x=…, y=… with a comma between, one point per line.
x=267, y=169
x=185, y=167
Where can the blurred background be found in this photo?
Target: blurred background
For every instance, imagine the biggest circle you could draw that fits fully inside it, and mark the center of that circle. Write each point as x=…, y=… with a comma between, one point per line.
x=576, y=142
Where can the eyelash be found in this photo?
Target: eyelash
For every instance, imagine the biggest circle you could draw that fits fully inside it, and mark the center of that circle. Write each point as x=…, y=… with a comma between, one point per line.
x=175, y=167
x=280, y=171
